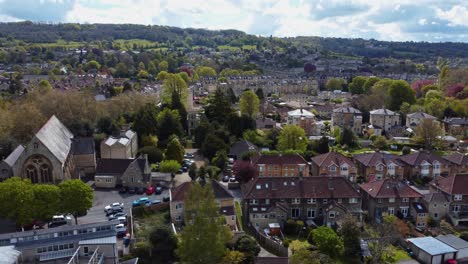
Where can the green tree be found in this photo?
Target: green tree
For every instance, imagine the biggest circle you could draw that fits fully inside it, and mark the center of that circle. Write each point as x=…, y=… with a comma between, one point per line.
x=211, y=145
x=45, y=86
x=175, y=150
x=174, y=82
x=233, y=257
x=218, y=107
x=145, y=121
x=163, y=66
x=155, y=155
x=427, y=133
x=121, y=70
x=168, y=124
x=220, y=159
x=260, y=94
x=350, y=233
x=142, y=74
x=400, y=92
x=357, y=85
x=205, y=71
x=348, y=138
x=46, y=201
x=304, y=256
x=202, y=173
x=162, y=75
x=184, y=76
x=163, y=245
x=367, y=87
x=76, y=197
x=193, y=174
x=204, y=238
x=17, y=200
x=380, y=142
x=323, y=145
x=292, y=137
x=93, y=65
x=141, y=66
x=176, y=104
x=170, y=166
x=152, y=69
x=335, y=84
x=247, y=245
x=249, y=103
x=328, y=241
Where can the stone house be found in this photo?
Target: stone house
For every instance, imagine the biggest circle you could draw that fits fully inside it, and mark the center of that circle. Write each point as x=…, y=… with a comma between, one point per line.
x=414, y=119
x=315, y=200
x=437, y=204
x=125, y=146
x=456, y=126
x=378, y=165
x=333, y=164
x=420, y=214
x=454, y=189
x=111, y=173
x=459, y=162
x=288, y=165
x=388, y=196
x=85, y=155
x=223, y=197
x=302, y=118
x=7, y=165
x=347, y=117
x=384, y=120
x=425, y=164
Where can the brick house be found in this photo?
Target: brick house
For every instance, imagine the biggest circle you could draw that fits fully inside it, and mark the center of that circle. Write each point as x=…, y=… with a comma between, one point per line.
x=223, y=197
x=347, y=117
x=315, y=200
x=425, y=164
x=288, y=165
x=388, y=196
x=384, y=120
x=459, y=162
x=378, y=165
x=455, y=190
x=334, y=164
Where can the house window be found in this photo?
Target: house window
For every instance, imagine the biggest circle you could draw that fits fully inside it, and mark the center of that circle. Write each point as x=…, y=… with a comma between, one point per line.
x=272, y=216
x=296, y=201
x=260, y=168
x=253, y=201
x=456, y=208
x=255, y=209
x=254, y=216
x=295, y=212
x=258, y=186
x=436, y=215
x=311, y=201
x=380, y=168
x=267, y=201
x=405, y=200
x=391, y=167
x=293, y=184
x=331, y=214
x=344, y=168
x=36, y=146
x=263, y=209
x=391, y=211
x=332, y=168
x=285, y=183
x=457, y=197
x=404, y=211
x=391, y=200
x=353, y=200
x=436, y=166
x=379, y=200
x=325, y=201
x=178, y=206
x=310, y=213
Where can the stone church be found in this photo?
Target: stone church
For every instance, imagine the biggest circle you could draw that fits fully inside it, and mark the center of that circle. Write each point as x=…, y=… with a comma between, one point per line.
x=51, y=155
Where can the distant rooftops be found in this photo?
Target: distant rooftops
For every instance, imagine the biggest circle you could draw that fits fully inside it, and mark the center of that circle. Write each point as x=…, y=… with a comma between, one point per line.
x=300, y=113
x=383, y=111
x=421, y=115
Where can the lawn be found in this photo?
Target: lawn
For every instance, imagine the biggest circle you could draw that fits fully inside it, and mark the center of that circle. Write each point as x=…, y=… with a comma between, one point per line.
x=145, y=223
x=239, y=215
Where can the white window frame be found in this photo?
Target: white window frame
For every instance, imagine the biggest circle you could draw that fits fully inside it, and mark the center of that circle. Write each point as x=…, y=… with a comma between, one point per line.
x=295, y=200
x=405, y=200
x=311, y=201
x=311, y=213
x=353, y=200
x=391, y=200
x=253, y=201
x=457, y=197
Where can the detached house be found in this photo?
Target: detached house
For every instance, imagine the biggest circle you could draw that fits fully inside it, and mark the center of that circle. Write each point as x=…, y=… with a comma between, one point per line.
x=425, y=164
x=459, y=162
x=334, y=164
x=316, y=200
x=456, y=192
x=414, y=119
x=289, y=165
x=347, y=117
x=125, y=146
x=383, y=120
x=378, y=165
x=388, y=196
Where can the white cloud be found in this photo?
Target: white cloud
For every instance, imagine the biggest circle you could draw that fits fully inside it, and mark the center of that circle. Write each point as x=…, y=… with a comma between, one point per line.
x=457, y=15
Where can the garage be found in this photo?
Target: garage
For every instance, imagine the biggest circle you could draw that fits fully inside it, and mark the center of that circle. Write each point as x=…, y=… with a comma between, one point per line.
x=457, y=243
x=429, y=250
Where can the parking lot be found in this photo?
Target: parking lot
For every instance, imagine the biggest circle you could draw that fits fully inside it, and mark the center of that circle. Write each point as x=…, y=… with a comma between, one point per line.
x=105, y=197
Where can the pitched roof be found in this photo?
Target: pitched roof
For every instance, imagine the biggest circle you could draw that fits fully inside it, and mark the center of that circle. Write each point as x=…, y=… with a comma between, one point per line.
x=452, y=185
x=457, y=158
x=56, y=138
x=463, y=121
x=417, y=158
x=300, y=112
x=389, y=188
x=373, y=159
x=83, y=145
x=112, y=166
x=421, y=115
x=431, y=245
x=281, y=159
x=220, y=192
x=350, y=110
x=294, y=187
x=383, y=111
x=241, y=147
x=13, y=157
x=331, y=157
x=435, y=197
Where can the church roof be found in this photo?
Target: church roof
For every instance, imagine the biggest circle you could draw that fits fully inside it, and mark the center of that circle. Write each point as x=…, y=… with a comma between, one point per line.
x=56, y=137
x=13, y=157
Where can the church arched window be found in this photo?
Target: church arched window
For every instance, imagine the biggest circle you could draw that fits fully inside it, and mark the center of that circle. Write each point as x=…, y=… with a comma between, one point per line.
x=32, y=174
x=46, y=176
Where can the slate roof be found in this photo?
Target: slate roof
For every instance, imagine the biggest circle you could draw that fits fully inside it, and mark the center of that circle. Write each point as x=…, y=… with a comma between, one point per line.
x=300, y=112
x=83, y=146
x=294, y=187
x=330, y=158
x=373, y=159
x=349, y=110
x=421, y=115
x=383, y=111
x=462, y=121
x=452, y=185
x=178, y=193
x=242, y=147
x=435, y=197
x=13, y=157
x=389, y=188
x=281, y=159
x=9, y=255
x=415, y=159
x=457, y=158
x=56, y=138
x=112, y=166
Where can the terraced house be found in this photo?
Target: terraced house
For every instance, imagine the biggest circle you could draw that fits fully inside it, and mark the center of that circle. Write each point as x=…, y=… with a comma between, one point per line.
x=378, y=165
x=459, y=162
x=334, y=164
x=454, y=188
x=425, y=164
x=316, y=200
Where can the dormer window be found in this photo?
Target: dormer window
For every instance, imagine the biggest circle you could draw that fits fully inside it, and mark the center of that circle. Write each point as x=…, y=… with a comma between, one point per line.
x=332, y=168
x=258, y=186
x=379, y=168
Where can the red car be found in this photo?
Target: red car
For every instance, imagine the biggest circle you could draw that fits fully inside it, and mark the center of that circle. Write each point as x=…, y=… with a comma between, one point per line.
x=150, y=190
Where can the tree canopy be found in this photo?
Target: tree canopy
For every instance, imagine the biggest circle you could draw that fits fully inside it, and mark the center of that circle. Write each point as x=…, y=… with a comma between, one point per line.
x=292, y=137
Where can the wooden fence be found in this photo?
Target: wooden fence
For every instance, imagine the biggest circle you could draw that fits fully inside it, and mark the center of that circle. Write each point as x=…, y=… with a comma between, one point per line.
x=268, y=243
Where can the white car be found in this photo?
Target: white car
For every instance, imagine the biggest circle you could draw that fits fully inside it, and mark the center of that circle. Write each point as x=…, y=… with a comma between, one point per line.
x=121, y=229
x=122, y=220
x=113, y=206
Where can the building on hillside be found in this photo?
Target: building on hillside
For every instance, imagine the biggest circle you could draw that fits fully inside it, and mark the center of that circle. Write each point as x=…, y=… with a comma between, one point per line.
x=334, y=164
x=223, y=198
x=315, y=200
x=388, y=196
x=459, y=162
x=287, y=165
x=347, y=117
x=425, y=164
x=302, y=118
x=384, y=120
x=123, y=172
x=125, y=146
x=414, y=119
x=420, y=214
x=454, y=189
x=379, y=165
x=456, y=126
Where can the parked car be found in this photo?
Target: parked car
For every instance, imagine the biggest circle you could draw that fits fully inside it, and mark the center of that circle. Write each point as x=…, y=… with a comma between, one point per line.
x=230, y=160
x=180, y=171
x=140, y=190
x=112, y=207
x=59, y=220
x=150, y=190
x=116, y=215
x=131, y=190
x=140, y=201
x=122, y=220
x=153, y=202
x=225, y=178
x=123, y=189
x=158, y=190
x=232, y=179
x=121, y=230
x=189, y=156
x=166, y=199
x=184, y=168
x=410, y=252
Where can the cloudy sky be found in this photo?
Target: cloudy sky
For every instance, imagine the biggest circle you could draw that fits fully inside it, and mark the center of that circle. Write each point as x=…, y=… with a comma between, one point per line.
x=418, y=20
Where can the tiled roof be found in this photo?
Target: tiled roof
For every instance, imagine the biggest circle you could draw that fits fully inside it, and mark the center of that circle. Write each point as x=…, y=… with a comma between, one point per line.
x=421, y=115
x=83, y=145
x=330, y=158
x=452, y=185
x=13, y=157
x=56, y=138
x=350, y=110
x=435, y=197
x=415, y=159
x=389, y=188
x=178, y=193
x=294, y=187
x=373, y=159
x=457, y=158
x=383, y=111
x=281, y=159
x=112, y=166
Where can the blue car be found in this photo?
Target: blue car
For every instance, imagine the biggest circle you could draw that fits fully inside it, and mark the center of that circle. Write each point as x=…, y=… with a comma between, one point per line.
x=140, y=201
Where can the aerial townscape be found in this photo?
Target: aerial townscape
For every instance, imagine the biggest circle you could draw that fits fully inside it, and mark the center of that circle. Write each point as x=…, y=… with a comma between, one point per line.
x=133, y=144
